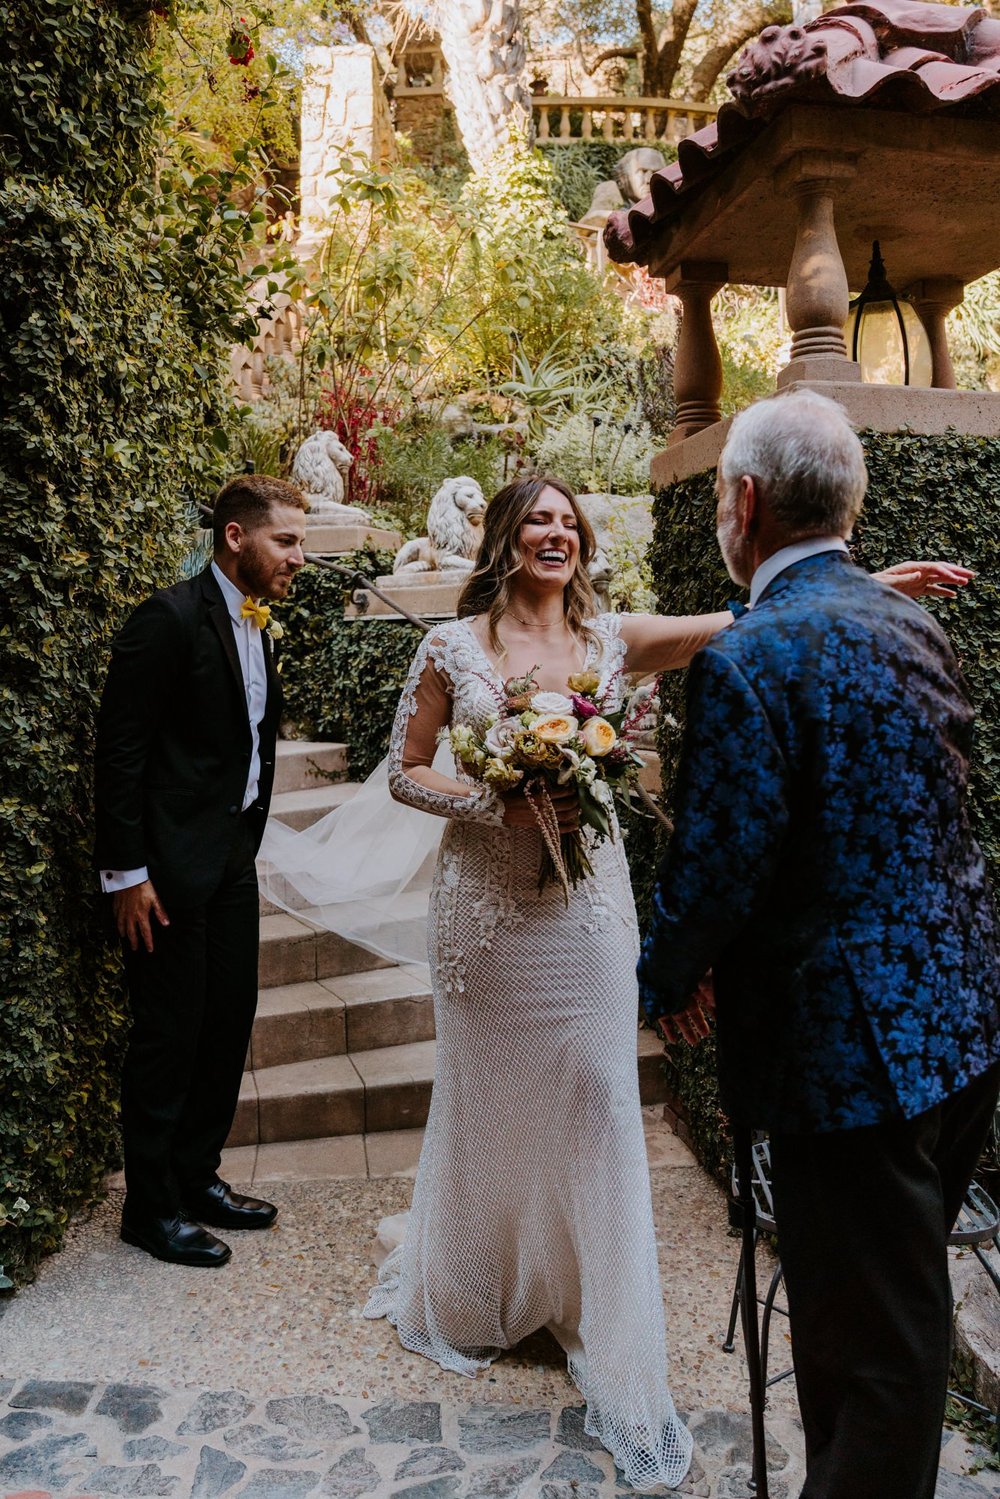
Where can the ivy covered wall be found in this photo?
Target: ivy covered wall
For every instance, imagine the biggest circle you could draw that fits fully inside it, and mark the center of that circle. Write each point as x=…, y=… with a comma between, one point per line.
x=108, y=427
x=927, y=497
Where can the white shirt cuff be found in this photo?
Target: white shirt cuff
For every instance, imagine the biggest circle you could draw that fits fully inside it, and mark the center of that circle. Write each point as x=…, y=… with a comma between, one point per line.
x=113, y=880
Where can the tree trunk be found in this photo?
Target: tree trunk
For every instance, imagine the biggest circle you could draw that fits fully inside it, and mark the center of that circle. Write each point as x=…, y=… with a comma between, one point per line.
x=661, y=50
x=749, y=25
x=483, y=46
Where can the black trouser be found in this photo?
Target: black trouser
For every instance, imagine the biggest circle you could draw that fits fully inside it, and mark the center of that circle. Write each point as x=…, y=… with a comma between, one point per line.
x=193, y=1001
x=863, y=1217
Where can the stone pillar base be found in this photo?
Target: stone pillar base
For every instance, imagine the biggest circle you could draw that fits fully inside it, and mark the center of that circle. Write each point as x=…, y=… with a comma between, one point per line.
x=808, y=369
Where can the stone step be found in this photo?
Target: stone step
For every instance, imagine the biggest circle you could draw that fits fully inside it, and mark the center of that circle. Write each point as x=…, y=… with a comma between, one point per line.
x=301, y=764
x=293, y=952
x=353, y=1012
x=300, y=809
x=362, y=1092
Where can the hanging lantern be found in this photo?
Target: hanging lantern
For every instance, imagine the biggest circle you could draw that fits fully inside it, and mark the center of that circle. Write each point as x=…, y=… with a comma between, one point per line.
x=885, y=335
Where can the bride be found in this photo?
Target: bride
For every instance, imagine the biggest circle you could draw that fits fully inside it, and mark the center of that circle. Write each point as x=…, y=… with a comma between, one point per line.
x=532, y=1206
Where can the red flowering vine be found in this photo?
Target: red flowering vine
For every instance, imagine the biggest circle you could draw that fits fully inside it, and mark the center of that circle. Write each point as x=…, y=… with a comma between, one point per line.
x=240, y=44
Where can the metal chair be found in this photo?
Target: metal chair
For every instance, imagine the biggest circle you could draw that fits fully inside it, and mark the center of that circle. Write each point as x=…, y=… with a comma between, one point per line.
x=977, y=1225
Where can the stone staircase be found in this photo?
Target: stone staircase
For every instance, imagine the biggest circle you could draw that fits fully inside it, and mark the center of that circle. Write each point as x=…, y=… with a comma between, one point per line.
x=343, y=1042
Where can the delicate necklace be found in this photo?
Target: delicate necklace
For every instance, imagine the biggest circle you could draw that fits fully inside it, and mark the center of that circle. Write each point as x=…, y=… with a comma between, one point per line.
x=531, y=625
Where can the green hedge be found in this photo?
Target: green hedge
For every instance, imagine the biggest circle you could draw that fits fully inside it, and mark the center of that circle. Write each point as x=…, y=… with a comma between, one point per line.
x=927, y=497
x=342, y=678
x=108, y=379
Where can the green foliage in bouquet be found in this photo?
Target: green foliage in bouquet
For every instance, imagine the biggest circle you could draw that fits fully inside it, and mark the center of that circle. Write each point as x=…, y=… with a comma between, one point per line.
x=927, y=497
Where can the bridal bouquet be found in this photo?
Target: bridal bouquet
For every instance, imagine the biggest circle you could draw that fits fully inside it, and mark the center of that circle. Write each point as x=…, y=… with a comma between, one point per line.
x=541, y=740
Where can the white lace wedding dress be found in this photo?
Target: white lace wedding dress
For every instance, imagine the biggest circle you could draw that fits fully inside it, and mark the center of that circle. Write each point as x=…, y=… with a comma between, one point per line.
x=532, y=1206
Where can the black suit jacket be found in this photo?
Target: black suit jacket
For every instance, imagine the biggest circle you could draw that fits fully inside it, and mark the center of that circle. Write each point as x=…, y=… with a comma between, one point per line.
x=174, y=743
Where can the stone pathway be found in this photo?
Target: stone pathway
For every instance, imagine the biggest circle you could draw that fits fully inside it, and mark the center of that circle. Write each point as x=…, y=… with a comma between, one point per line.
x=86, y=1440
x=83, y=1439
x=123, y=1376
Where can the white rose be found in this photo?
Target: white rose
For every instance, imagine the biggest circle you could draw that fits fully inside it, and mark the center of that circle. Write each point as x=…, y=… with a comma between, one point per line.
x=601, y=792
x=501, y=735
x=551, y=702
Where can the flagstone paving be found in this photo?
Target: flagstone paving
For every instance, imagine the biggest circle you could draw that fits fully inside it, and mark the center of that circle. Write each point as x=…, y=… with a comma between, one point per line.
x=123, y=1376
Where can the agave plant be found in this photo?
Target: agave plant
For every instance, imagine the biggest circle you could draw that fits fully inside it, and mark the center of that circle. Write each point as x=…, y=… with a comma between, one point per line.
x=552, y=388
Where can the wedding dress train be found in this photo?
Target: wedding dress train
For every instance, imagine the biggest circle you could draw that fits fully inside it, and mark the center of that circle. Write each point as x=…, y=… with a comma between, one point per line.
x=532, y=1206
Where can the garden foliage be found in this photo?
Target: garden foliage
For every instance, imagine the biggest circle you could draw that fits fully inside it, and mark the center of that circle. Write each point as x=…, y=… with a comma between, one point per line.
x=119, y=298
x=927, y=497
x=342, y=678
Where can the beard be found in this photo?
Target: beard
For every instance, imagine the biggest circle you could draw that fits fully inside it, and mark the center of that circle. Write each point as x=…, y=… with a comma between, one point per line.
x=734, y=547
x=261, y=575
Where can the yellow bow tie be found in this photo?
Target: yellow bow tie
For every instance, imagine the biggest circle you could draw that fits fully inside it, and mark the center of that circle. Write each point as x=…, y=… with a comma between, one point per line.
x=259, y=613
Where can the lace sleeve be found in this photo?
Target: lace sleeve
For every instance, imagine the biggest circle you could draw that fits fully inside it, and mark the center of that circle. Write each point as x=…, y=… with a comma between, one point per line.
x=424, y=709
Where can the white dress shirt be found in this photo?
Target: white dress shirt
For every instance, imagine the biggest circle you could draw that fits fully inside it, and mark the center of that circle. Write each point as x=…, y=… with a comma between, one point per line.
x=797, y=552
x=250, y=648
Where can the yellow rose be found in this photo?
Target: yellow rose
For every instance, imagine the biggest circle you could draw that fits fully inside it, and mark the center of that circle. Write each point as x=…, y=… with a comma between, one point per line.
x=555, y=728
x=584, y=682
x=597, y=736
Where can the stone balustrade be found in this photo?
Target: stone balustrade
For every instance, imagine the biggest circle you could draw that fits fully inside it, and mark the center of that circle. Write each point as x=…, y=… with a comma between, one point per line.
x=277, y=336
x=564, y=119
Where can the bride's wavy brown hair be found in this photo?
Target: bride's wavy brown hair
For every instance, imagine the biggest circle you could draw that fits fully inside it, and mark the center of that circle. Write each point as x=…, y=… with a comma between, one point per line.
x=488, y=589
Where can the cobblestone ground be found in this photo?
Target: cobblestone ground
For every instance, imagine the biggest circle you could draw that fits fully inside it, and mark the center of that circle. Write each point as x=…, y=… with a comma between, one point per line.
x=123, y=1376
x=82, y=1440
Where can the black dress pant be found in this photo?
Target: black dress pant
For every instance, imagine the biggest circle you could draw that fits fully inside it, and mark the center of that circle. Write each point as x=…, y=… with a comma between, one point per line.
x=193, y=1001
x=863, y=1216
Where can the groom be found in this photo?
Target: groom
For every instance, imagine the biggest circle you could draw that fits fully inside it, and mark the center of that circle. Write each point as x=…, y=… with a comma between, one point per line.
x=823, y=867
x=185, y=764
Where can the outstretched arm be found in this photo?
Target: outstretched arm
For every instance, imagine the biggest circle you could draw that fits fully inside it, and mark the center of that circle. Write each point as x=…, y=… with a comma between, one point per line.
x=660, y=642
x=926, y=579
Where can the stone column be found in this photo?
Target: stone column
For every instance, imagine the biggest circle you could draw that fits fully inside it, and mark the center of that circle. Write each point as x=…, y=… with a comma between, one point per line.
x=933, y=300
x=343, y=106
x=697, y=364
x=816, y=298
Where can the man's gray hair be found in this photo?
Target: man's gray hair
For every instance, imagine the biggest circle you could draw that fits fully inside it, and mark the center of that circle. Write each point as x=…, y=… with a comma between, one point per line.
x=805, y=459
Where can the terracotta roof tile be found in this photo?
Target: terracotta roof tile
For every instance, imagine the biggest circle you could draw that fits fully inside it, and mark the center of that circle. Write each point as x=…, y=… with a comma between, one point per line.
x=881, y=54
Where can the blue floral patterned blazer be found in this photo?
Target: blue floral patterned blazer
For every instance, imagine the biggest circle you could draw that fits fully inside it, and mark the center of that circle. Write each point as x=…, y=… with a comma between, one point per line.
x=822, y=862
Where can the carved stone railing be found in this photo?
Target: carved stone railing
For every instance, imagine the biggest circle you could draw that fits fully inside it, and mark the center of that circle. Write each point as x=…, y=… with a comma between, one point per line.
x=564, y=119
x=277, y=336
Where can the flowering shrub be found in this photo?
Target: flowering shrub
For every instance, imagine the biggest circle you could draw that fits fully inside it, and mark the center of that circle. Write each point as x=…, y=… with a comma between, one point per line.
x=240, y=46
x=357, y=418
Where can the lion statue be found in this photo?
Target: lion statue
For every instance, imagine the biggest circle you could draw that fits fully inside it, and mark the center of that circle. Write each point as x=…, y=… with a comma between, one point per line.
x=320, y=469
x=454, y=531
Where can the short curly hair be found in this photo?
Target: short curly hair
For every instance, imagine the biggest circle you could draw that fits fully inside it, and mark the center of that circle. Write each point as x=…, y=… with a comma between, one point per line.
x=249, y=500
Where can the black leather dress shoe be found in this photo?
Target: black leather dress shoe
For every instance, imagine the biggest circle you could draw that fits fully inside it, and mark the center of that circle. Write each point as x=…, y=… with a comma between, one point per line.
x=221, y=1207
x=176, y=1240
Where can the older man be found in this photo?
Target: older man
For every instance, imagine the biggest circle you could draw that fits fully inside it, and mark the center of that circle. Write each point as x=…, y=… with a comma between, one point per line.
x=823, y=867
